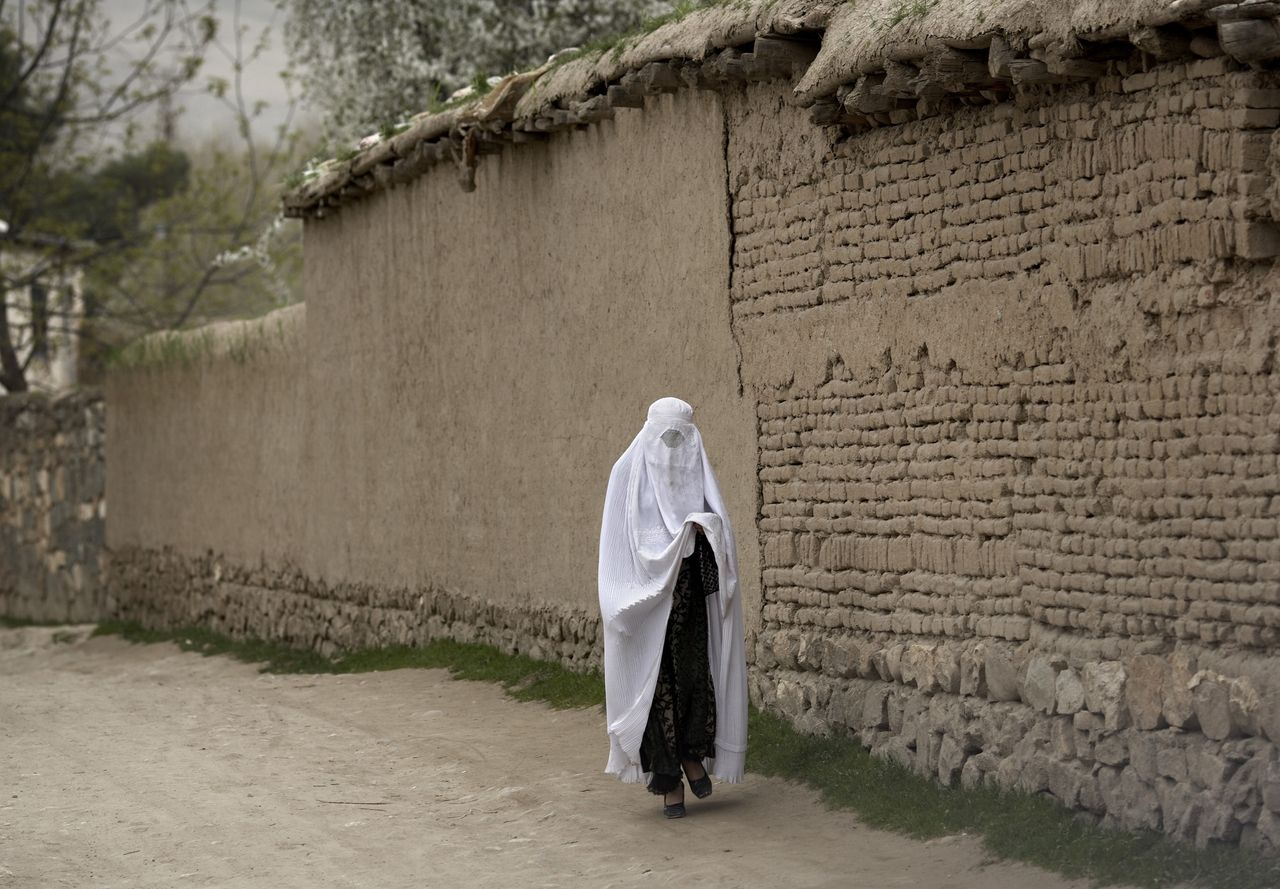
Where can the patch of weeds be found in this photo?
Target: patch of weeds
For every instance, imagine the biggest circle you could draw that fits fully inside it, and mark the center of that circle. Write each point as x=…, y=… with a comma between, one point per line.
x=185, y=348
x=614, y=45
x=166, y=348
x=14, y=623
x=435, y=102
x=274, y=657
x=480, y=84
x=909, y=9
x=450, y=104
x=390, y=129
x=523, y=678
x=244, y=345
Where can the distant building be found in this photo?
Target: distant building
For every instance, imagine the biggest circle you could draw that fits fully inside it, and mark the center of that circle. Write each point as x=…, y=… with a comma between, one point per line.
x=43, y=314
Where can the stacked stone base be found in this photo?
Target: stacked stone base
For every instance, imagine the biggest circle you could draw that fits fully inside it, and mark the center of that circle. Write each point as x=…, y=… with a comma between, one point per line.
x=1097, y=736
x=52, y=507
x=165, y=590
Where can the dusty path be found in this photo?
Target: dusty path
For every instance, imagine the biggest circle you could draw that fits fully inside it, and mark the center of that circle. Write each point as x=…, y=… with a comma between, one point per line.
x=143, y=766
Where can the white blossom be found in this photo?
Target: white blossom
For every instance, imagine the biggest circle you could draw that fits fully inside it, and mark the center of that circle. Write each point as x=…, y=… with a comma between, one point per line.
x=259, y=253
x=367, y=62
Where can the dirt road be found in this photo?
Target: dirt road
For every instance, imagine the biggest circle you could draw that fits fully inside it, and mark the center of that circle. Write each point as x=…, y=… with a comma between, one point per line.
x=142, y=766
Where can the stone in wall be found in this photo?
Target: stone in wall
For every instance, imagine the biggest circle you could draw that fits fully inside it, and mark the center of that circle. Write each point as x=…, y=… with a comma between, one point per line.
x=52, y=507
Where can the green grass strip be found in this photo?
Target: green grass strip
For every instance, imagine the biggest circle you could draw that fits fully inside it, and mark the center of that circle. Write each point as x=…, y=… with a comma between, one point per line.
x=523, y=678
x=1015, y=826
x=14, y=623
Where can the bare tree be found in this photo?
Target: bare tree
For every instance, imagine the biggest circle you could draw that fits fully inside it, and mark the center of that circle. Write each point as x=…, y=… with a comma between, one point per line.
x=218, y=246
x=160, y=238
x=66, y=76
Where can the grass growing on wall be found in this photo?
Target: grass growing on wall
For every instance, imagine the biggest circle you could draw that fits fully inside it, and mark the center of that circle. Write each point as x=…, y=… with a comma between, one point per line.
x=616, y=44
x=166, y=349
x=882, y=794
x=240, y=341
x=612, y=45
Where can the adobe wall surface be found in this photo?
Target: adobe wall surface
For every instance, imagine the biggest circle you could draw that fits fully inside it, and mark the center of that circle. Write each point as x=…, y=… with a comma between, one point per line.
x=205, y=445
x=476, y=362
x=52, y=507
x=1020, y=445
x=427, y=454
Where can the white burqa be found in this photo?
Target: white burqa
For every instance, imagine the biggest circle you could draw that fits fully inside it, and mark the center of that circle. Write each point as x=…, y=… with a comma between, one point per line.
x=660, y=490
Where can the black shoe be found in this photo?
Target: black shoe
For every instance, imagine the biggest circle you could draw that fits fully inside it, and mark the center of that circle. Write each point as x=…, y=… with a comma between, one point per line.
x=673, y=810
x=701, y=787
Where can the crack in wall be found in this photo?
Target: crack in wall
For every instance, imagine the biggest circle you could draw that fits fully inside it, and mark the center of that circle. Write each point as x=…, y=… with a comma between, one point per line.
x=758, y=486
x=728, y=218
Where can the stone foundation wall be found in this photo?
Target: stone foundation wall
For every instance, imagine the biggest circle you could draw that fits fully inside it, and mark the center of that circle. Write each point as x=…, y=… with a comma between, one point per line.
x=162, y=589
x=52, y=507
x=1146, y=742
x=1019, y=448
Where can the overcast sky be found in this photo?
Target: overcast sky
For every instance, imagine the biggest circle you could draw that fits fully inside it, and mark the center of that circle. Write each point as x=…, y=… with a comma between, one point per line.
x=203, y=116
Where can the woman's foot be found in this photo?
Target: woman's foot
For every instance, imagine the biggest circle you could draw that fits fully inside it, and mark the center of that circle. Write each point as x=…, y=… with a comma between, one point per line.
x=699, y=780
x=673, y=802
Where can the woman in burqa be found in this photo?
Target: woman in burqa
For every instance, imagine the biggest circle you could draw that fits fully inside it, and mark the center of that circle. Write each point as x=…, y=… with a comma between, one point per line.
x=674, y=665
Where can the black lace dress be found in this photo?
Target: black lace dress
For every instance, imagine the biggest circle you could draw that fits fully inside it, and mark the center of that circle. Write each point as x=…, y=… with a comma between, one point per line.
x=682, y=719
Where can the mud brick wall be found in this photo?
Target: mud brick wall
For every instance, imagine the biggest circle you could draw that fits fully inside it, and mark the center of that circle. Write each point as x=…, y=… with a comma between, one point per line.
x=1116, y=180
x=1019, y=440
x=52, y=507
